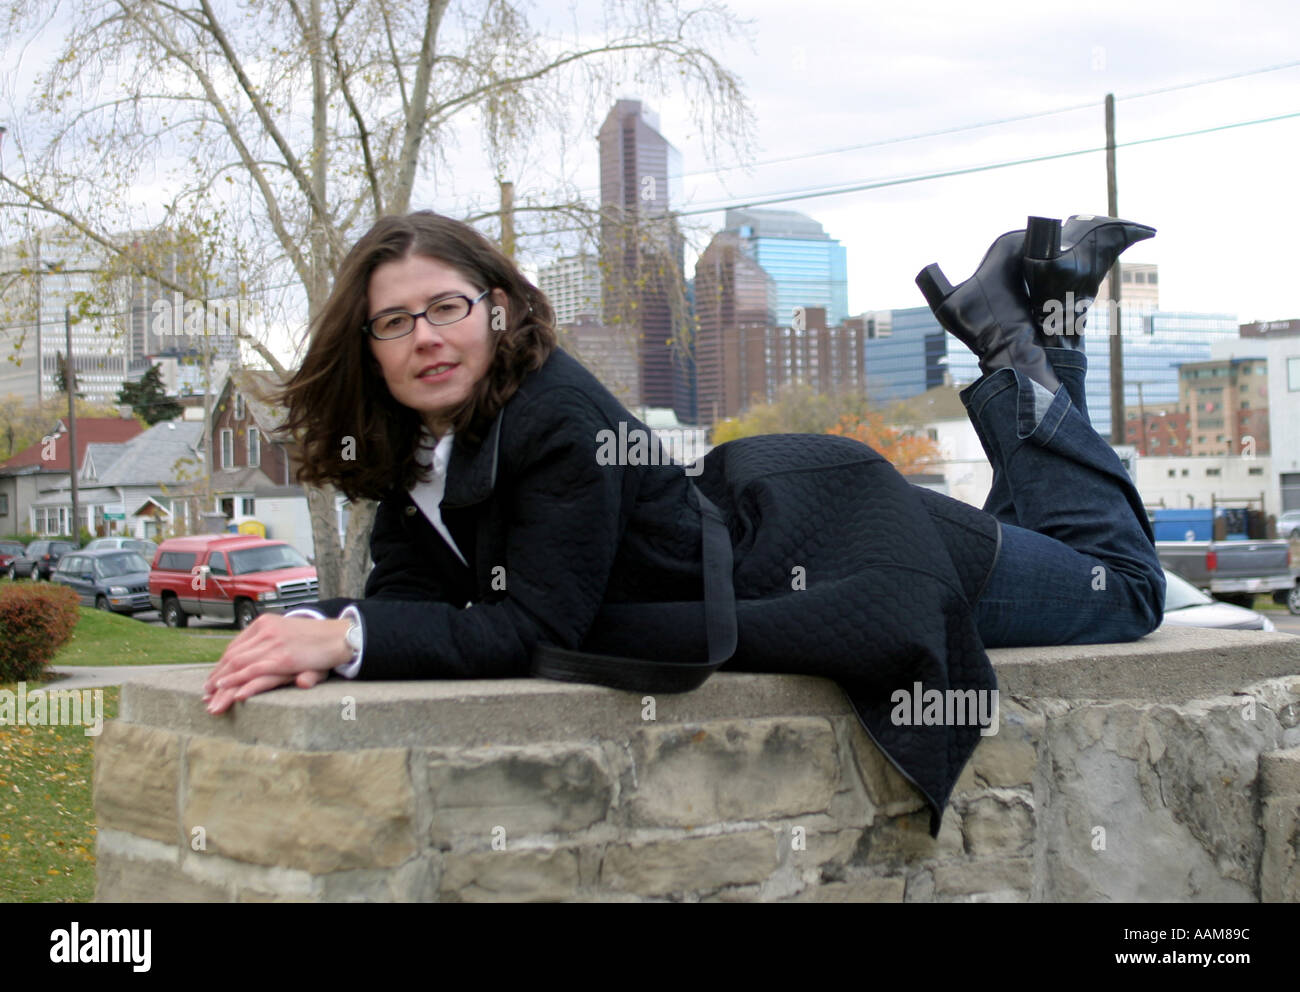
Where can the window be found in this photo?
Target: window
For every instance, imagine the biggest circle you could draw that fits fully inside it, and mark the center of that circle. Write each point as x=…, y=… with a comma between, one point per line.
x=254, y=448
x=176, y=561
x=1245, y=404
x=1186, y=472
x=239, y=406
x=227, y=448
x=1213, y=471
x=217, y=563
x=1256, y=470
x=4, y=504
x=1293, y=375
x=1172, y=473
x=246, y=505
x=1151, y=278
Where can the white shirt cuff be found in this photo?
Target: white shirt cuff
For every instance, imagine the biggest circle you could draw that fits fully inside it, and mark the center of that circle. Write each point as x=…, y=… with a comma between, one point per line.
x=351, y=669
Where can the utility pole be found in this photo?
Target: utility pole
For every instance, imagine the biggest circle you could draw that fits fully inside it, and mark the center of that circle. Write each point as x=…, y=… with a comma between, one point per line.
x=1142, y=415
x=507, y=218
x=1115, y=321
x=40, y=367
x=70, y=382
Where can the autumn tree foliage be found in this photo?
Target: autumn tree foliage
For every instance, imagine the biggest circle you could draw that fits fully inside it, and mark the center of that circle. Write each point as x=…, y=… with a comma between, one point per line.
x=800, y=409
x=907, y=449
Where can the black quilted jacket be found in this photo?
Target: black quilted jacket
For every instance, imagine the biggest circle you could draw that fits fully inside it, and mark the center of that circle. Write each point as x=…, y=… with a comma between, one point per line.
x=841, y=567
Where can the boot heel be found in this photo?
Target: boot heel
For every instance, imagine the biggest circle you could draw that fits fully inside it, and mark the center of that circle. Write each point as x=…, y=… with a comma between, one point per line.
x=1043, y=238
x=934, y=285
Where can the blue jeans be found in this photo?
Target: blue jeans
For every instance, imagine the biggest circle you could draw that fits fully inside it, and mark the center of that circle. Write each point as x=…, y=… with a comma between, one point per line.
x=1078, y=563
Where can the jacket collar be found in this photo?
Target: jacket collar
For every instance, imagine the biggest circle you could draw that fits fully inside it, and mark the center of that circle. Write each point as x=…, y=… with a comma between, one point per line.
x=472, y=468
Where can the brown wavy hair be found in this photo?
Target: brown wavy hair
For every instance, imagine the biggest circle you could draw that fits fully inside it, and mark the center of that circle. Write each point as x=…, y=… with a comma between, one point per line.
x=339, y=391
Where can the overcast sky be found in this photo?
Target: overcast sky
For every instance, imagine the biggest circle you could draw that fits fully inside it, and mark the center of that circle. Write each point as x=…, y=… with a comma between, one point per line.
x=824, y=75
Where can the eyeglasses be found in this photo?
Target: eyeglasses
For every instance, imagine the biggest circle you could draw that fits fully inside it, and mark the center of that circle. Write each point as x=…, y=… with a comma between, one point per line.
x=400, y=323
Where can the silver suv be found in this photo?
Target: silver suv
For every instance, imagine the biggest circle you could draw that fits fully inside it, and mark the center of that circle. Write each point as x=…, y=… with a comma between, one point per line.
x=1288, y=525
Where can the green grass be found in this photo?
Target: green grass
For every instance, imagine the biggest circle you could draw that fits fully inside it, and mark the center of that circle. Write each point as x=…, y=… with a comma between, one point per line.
x=47, y=816
x=102, y=638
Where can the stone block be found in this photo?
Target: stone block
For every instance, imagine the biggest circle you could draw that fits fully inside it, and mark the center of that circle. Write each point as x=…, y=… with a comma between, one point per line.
x=998, y=824
x=149, y=877
x=696, y=774
x=544, y=875
x=1279, y=773
x=974, y=878
x=855, y=890
x=317, y=811
x=889, y=791
x=1008, y=758
x=689, y=864
x=539, y=788
x=904, y=839
x=137, y=781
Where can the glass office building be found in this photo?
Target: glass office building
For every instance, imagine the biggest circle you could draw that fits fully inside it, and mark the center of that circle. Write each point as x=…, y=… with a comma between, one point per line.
x=809, y=267
x=910, y=360
x=1155, y=344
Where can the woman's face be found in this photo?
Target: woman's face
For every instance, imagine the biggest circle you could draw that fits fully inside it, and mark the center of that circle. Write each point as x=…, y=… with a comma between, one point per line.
x=433, y=369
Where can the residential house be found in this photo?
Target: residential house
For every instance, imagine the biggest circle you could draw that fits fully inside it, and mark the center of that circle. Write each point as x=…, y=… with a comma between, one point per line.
x=134, y=489
x=33, y=474
x=254, y=463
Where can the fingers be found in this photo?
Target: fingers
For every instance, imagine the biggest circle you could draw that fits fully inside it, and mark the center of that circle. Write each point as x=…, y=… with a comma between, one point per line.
x=273, y=651
x=306, y=680
x=223, y=699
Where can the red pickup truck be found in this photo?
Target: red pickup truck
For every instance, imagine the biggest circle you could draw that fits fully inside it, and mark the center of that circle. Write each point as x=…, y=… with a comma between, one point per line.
x=231, y=577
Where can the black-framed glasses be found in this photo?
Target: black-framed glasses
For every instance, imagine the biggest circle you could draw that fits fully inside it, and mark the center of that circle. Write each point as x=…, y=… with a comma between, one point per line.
x=400, y=323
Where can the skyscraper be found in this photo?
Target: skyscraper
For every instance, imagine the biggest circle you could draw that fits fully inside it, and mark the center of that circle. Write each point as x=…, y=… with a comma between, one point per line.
x=573, y=286
x=642, y=252
x=809, y=266
x=735, y=306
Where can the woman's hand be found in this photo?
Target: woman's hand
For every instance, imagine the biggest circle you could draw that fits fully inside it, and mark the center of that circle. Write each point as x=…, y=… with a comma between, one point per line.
x=275, y=651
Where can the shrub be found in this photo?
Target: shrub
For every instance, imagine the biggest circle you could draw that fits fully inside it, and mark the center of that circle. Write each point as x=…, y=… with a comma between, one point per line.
x=35, y=621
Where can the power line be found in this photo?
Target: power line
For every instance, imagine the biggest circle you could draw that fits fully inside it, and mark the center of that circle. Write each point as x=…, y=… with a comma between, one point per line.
x=979, y=125
x=809, y=193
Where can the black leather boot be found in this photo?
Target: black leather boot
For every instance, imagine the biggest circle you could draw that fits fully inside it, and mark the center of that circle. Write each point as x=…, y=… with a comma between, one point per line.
x=990, y=312
x=1064, y=267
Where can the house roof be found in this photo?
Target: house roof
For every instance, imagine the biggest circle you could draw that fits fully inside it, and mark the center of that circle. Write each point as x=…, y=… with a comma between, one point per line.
x=164, y=454
x=100, y=457
x=90, y=430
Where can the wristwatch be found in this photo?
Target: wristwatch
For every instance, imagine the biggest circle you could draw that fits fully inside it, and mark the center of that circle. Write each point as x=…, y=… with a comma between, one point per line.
x=353, y=637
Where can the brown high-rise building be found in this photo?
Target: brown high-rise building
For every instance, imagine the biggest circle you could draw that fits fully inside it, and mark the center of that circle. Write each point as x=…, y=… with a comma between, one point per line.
x=743, y=357
x=642, y=253
x=735, y=303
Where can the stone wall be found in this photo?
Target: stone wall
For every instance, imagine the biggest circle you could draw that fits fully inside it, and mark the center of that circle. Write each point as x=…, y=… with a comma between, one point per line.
x=1167, y=769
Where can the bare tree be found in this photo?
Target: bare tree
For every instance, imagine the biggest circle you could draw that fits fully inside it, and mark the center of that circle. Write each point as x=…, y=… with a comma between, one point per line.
x=295, y=123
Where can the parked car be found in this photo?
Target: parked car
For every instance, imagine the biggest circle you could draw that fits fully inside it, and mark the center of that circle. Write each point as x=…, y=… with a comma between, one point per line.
x=111, y=579
x=139, y=545
x=39, y=559
x=230, y=577
x=9, y=550
x=1187, y=606
x=1288, y=525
